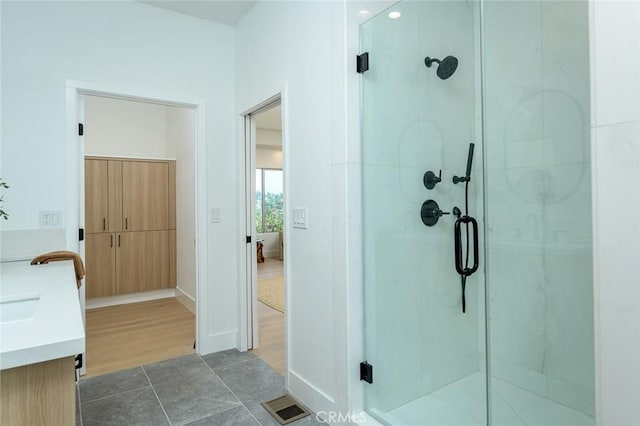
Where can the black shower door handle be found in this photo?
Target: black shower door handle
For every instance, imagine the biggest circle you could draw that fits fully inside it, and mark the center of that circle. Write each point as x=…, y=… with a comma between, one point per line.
x=460, y=266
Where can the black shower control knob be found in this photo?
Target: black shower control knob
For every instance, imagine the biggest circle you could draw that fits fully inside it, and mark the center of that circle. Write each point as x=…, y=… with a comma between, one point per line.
x=430, y=212
x=430, y=180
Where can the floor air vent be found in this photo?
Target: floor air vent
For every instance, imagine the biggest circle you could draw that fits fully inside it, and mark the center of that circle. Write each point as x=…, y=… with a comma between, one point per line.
x=285, y=409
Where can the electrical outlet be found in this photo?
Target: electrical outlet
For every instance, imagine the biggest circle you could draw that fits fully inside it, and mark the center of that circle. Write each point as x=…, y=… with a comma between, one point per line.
x=50, y=219
x=300, y=217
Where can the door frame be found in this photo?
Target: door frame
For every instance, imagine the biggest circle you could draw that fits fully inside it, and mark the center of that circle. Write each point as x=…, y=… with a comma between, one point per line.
x=248, y=264
x=75, y=91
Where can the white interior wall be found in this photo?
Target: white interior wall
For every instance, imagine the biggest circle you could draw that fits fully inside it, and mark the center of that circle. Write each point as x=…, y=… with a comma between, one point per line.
x=615, y=113
x=121, y=128
x=270, y=35
x=271, y=244
x=268, y=137
x=134, y=48
x=180, y=145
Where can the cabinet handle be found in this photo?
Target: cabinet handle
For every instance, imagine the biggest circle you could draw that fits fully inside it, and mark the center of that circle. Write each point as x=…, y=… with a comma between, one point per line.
x=126, y=223
x=118, y=240
x=104, y=224
x=111, y=245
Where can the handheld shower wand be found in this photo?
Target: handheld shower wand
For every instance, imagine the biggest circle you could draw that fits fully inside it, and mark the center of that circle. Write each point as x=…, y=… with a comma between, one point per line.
x=462, y=267
x=467, y=178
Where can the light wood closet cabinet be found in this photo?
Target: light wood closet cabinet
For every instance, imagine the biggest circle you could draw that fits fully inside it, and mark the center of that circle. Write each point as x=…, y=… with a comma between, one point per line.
x=145, y=196
x=130, y=225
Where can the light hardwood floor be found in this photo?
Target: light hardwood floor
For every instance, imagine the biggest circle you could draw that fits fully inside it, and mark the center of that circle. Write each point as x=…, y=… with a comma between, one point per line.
x=270, y=322
x=127, y=336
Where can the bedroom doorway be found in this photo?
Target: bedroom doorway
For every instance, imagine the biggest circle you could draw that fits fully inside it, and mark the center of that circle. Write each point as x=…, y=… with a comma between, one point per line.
x=265, y=215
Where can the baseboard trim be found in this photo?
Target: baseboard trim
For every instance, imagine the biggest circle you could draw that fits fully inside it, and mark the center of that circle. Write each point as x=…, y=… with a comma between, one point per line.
x=103, y=302
x=309, y=395
x=188, y=301
x=271, y=254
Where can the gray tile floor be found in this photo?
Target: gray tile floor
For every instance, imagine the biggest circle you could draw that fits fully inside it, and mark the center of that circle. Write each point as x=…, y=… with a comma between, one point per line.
x=220, y=389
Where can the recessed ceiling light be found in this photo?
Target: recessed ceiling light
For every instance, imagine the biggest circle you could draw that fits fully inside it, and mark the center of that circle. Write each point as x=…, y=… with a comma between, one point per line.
x=395, y=14
x=364, y=13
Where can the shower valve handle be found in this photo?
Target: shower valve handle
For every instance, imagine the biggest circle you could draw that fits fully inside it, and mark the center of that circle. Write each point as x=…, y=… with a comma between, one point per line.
x=430, y=179
x=430, y=212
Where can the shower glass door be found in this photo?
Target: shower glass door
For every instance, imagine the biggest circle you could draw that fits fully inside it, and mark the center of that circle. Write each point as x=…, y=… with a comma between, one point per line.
x=513, y=79
x=428, y=356
x=538, y=196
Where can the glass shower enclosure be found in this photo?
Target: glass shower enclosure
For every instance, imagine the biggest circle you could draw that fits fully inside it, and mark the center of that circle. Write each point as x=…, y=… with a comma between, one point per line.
x=477, y=214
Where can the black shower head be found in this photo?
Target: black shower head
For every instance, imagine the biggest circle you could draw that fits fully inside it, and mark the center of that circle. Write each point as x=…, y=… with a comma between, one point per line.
x=446, y=67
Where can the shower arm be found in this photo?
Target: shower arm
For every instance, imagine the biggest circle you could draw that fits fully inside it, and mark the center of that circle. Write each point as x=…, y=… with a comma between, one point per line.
x=429, y=61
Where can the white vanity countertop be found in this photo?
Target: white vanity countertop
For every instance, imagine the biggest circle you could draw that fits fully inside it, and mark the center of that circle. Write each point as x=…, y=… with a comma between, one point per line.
x=40, y=313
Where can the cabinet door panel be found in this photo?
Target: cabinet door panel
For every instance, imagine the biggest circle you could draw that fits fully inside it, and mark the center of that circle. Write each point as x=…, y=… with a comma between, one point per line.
x=145, y=195
x=172, y=194
x=100, y=265
x=96, y=201
x=173, y=276
x=115, y=196
x=142, y=261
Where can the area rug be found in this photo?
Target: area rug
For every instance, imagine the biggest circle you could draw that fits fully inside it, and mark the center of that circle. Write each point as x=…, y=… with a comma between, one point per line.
x=271, y=293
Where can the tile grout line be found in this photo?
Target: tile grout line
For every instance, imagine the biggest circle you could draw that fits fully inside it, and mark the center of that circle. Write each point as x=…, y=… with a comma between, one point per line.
x=232, y=393
x=113, y=394
x=515, y=412
x=156, y=394
x=206, y=416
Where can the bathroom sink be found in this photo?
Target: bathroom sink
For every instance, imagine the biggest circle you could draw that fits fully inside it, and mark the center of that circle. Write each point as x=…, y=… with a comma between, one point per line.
x=19, y=307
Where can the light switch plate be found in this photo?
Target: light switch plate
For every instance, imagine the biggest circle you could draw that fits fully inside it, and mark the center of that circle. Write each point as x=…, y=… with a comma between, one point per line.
x=215, y=215
x=300, y=217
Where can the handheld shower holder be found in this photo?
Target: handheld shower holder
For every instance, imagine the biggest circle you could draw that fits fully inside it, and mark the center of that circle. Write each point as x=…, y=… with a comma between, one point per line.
x=467, y=178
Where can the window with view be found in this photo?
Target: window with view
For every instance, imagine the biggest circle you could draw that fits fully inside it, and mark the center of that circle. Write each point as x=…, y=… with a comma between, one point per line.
x=269, y=201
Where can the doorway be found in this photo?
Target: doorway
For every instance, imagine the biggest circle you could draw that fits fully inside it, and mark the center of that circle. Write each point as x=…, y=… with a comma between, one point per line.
x=266, y=214
x=141, y=285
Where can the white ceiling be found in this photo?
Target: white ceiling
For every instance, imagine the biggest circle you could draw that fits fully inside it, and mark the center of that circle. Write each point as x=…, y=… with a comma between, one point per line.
x=270, y=119
x=222, y=12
